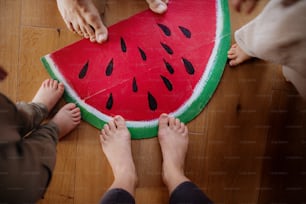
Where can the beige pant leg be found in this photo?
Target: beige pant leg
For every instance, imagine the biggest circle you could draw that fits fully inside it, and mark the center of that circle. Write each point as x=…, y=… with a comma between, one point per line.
x=296, y=79
x=278, y=35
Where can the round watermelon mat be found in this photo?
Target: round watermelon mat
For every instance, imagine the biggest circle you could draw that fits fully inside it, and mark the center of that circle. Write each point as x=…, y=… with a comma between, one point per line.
x=151, y=64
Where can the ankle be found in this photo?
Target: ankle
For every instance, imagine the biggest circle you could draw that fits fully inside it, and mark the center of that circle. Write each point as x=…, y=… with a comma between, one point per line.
x=127, y=181
x=173, y=176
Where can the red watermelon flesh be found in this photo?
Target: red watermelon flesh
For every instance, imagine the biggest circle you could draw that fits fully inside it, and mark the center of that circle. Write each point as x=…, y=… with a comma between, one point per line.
x=151, y=64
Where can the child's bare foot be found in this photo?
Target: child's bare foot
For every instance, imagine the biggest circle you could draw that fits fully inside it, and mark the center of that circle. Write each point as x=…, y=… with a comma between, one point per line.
x=173, y=139
x=82, y=17
x=49, y=93
x=237, y=55
x=67, y=118
x=116, y=144
x=158, y=6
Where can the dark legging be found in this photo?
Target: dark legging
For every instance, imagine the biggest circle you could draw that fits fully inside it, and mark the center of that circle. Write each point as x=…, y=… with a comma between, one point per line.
x=186, y=192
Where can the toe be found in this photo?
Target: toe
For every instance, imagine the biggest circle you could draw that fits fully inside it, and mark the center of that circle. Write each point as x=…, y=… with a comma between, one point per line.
x=163, y=120
x=106, y=129
x=60, y=86
x=120, y=122
x=232, y=63
x=99, y=31
x=112, y=125
x=157, y=6
x=70, y=106
x=54, y=84
x=172, y=122
x=46, y=83
x=177, y=123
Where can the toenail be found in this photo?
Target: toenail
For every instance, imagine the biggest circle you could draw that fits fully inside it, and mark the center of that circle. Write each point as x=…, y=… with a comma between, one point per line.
x=161, y=7
x=101, y=37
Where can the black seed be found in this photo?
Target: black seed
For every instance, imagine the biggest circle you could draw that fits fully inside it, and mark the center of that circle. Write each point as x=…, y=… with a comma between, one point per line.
x=110, y=101
x=167, y=83
x=109, y=68
x=142, y=54
x=169, y=67
x=83, y=71
x=167, y=48
x=165, y=29
x=123, y=45
x=185, y=31
x=152, y=102
x=135, y=88
x=188, y=66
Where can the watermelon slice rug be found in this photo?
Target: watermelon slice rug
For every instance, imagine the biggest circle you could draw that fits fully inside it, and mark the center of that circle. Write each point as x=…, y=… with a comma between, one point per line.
x=151, y=64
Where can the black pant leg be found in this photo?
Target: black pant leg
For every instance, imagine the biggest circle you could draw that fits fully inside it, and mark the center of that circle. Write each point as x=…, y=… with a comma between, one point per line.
x=188, y=193
x=117, y=196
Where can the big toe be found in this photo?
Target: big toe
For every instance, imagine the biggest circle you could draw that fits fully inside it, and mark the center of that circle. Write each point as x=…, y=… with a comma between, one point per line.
x=101, y=32
x=163, y=120
x=119, y=121
x=158, y=6
x=69, y=106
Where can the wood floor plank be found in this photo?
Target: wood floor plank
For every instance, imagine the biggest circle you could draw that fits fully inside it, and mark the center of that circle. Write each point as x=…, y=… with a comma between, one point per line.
x=9, y=45
x=41, y=14
x=237, y=129
x=93, y=173
x=284, y=166
x=35, y=43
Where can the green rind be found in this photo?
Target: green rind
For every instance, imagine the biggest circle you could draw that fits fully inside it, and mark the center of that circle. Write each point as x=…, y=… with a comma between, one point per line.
x=196, y=106
x=219, y=65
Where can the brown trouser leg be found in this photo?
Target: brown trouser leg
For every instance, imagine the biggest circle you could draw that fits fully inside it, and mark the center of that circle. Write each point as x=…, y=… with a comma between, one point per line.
x=26, y=163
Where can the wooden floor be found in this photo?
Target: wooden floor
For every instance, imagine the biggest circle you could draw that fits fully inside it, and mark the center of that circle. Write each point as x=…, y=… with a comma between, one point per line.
x=247, y=146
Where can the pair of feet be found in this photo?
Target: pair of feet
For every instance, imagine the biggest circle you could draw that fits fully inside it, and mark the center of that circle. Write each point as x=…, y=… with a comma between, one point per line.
x=68, y=117
x=116, y=144
x=83, y=18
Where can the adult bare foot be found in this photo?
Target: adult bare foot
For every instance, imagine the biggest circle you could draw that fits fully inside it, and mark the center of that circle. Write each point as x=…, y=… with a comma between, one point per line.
x=82, y=17
x=116, y=144
x=49, y=93
x=67, y=118
x=237, y=55
x=173, y=139
x=158, y=6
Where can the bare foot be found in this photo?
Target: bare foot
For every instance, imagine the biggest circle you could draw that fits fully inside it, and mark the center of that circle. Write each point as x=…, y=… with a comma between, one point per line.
x=173, y=139
x=49, y=93
x=67, y=118
x=158, y=6
x=116, y=144
x=82, y=17
x=237, y=55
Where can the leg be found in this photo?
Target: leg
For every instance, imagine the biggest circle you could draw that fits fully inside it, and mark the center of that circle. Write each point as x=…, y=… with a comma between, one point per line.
x=262, y=38
x=173, y=139
x=32, y=114
x=188, y=192
x=82, y=17
x=116, y=144
x=23, y=117
x=27, y=165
